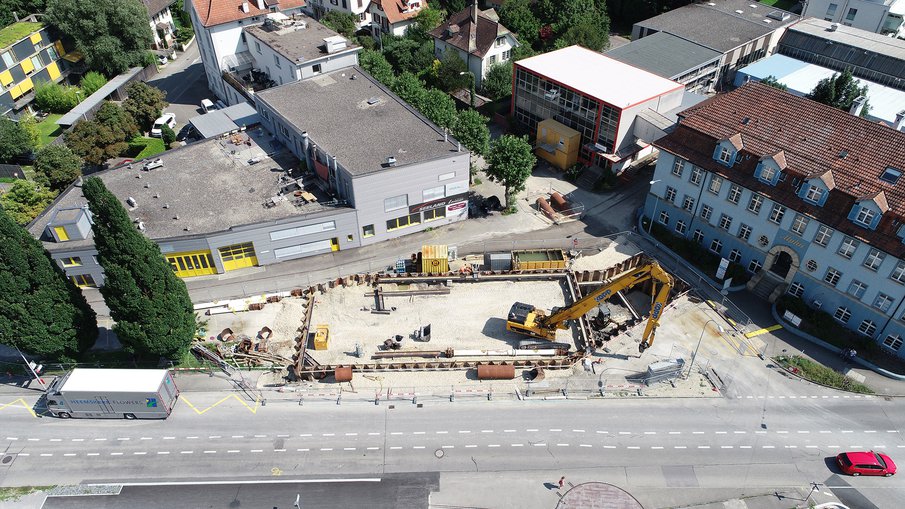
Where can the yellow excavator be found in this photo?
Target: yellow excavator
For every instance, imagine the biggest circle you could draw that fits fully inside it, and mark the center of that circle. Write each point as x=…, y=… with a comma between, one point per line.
x=531, y=321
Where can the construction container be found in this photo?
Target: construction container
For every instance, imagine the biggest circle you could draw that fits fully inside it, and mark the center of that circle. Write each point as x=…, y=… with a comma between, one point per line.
x=557, y=144
x=498, y=261
x=435, y=259
x=539, y=259
x=496, y=372
x=343, y=374
x=321, y=337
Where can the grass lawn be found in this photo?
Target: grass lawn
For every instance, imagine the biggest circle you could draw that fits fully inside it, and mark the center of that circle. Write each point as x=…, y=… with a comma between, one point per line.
x=16, y=31
x=785, y=5
x=821, y=374
x=49, y=129
x=142, y=147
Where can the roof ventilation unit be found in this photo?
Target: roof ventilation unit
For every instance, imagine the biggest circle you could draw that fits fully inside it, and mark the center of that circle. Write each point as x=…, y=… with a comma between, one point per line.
x=391, y=161
x=834, y=27
x=131, y=201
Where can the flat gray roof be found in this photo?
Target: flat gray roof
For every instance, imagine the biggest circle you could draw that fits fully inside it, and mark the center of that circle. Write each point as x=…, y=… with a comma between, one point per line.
x=855, y=37
x=664, y=54
x=351, y=116
x=300, y=41
x=208, y=186
x=90, y=102
x=719, y=25
x=226, y=120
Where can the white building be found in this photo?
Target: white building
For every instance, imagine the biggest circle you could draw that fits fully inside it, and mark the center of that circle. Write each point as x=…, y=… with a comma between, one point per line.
x=393, y=16
x=478, y=37
x=161, y=21
x=878, y=16
x=218, y=28
x=356, y=7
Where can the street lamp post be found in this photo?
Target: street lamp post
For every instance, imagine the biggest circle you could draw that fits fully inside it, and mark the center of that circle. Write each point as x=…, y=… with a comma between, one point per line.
x=473, y=84
x=695, y=354
x=650, y=225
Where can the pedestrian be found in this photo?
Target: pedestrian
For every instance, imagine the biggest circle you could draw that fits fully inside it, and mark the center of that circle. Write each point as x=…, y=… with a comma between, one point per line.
x=562, y=482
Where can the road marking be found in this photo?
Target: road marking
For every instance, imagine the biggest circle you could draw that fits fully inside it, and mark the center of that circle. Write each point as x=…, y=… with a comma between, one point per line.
x=325, y=434
x=50, y=454
x=871, y=431
x=633, y=447
x=720, y=432
x=165, y=438
x=417, y=447
x=34, y=439
x=703, y=447
x=512, y=431
x=232, y=451
x=56, y=439
x=322, y=448
x=493, y=445
x=260, y=436
x=892, y=431
x=739, y=432
x=418, y=432
x=824, y=431
x=562, y=445
x=791, y=446
x=679, y=447
x=810, y=447
x=139, y=453
x=879, y=447
x=257, y=450
x=396, y=433
x=465, y=431
x=69, y=454
x=625, y=432
x=163, y=452
x=585, y=445
x=800, y=431
x=192, y=438
x=833, y=446
x=470, y=446
x=602, y=432
x=726, y=447
x=536, y=445
x=303, y=450
x=373, y=434
x=149, y=438
x=344, y=448
x=252, y=409
x=847, y=431
x=265, y=481
x=24, y=454
x=111, y=454
x=441, y=432
x=650, y=432
x=577, y=431
x=126, y=439
x=491, y=431
x=218, y=436
x=760, y=432
x=238, y=436
x=744, y=447
x=373, y=448
x=397, y=448
x=555, y=429
x=447, y=447
x=609, y=447
x=758, y=332
x=675, y=432
x=768, y=447
x=516, y=445
x=12, y=438
x=275, y=450
x=190, y=452
x=697, y=432
x=656, y=447
x=302, y=435
x=782, y=432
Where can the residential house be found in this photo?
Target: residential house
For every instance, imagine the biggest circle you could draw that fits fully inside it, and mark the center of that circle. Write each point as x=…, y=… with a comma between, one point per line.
x=808, y=198
x=393, y=16
x=359, y=8
x=477, y=37
x=29, y=54
x=878, y=16
x=161, y=20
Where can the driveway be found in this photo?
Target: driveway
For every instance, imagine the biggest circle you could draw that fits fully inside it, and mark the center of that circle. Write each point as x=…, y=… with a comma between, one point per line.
x=185, y=84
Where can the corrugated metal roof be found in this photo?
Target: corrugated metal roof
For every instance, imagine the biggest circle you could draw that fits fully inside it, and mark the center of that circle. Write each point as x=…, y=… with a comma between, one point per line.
x=855, y=37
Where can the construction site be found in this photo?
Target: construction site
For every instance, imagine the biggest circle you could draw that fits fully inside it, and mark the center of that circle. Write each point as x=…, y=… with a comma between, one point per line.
x=439, y=319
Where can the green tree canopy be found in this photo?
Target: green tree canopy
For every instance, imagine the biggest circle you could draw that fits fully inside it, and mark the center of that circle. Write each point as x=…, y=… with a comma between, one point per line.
x=92, y=82
x=498, y=82
x=14, y=140
x=103, y=138
x=519, y=17
x=25, y=200
x=342, y=22
x=21, y=7
x=452, y=73
x=151, y=306
x=57, y=166
x=586, y=33
x=439, y=107
x=377, y=65
x=840, y=91
x=56, y=98
x=29, y=125
x=509, y=163
x=471, y=129
x=41, y=311
x=113, y=35
x=426, y=20
x=167, y=136
x=145, y=103
x=410, y=89
x=406, y=54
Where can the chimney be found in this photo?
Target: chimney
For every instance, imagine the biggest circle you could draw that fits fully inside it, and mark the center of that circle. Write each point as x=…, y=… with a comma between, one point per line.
x=857, y=106
x=261, y=4
x=900, y=121
x=245, y=8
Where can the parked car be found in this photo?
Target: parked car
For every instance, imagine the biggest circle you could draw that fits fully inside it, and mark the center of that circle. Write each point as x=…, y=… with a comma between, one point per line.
x=188, y=134
x=162, y=60
x=207, y=105
x=167, y=119
x=866, y=463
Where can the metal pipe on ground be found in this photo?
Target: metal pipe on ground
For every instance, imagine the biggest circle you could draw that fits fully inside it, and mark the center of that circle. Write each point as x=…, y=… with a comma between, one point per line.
x=496, y=372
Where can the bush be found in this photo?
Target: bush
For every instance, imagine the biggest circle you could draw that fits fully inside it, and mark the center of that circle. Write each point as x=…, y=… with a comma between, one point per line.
x=184, y=34
x=92, y=82
x=56, y=98
x=167, y=135
x=699, y=256
x=574, y=171
x=818, y=373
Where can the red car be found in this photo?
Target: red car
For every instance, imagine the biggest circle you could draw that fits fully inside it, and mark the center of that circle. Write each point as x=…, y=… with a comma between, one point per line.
x=866, y=463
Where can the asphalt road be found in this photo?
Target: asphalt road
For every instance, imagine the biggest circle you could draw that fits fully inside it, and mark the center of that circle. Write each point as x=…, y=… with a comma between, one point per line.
x=649, y=447
x=185, y=84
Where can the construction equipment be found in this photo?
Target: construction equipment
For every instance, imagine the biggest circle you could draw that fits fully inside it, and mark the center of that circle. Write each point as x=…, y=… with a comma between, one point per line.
x=531, y=321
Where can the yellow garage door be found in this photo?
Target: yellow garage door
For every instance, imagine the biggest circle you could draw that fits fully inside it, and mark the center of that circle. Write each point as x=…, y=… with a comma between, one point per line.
x=194, y=263
x=238, y=256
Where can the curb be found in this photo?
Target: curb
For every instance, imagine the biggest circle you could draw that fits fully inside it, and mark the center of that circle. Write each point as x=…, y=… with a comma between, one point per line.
x=787, y=371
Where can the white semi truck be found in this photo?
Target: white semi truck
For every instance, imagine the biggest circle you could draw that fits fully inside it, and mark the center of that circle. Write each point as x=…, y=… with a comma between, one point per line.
x=113, y=394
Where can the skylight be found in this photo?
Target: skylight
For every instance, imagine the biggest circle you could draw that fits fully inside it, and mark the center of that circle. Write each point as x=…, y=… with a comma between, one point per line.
x=891, y=175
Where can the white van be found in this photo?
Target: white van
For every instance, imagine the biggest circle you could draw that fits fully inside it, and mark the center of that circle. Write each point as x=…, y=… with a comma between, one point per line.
x=207, y=105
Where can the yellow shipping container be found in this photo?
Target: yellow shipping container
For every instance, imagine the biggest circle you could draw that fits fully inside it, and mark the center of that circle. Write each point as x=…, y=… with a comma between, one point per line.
x=435, y=259
x=557, y=144
x=322, y=337
x=539, y=259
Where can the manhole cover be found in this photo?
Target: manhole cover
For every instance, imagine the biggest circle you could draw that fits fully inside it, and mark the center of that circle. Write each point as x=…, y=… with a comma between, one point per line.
x=6, y=459
x=439, y=453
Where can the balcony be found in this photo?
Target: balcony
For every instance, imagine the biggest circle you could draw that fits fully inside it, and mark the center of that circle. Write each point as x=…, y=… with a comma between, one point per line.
x=248, y=82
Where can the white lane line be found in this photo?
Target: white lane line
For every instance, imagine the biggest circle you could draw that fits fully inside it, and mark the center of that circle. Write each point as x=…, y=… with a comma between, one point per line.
x=194, y=437
x=697, y=432
x=656, y=447
x=442, y=432
x=232, y=451
x=396, y=433
x=462, y=431
x=275, y=450
x=322, y=448
x=139, y=453
x=56, y=439
x=650, y=432
x=720, y=432
x=50, y=454
x=760, y=432
x=417, y=447
x=847, y=431
x=512, y=431
x=165, y=438
x=892, y=431
x=471, y=446
x=833, y=446
x=900, y=446
x=585, y=445
x=238, y=436
x=126, y=439
x=679, y=447
x=633, y=447
x=739, y=432
x=824, y=431
x=535, y=445
x=218, y=436
x=149, y=438
x=260, y=436
x=491, y=431
x=93, y=454
x=373, y=434
x=324, y=434
x=810, y=447
x=871, y=431
x=675, y=432
x=163, y=452
x=803, y=432
x=879, y=447
x=69, y=454
x=554, y=430
x=257, y=450
x=373, y=448
x=301, y=435
x=348, y=448
x=189, y=452
x=12, y=438
x=26, y=454
x=577, y=431
x=447, y=447
x=303, y=450
x=791, y=446
x=703, y=447
x=726, y=447
x=531, y=429
x=111, y=454
x=562, y=445
x=351, y=434
x=516, y=445
x=395, y=448
x=768, y=447
x=493, y=445
x=782, y=432
x=625, y=432
x=418, y=432
x=34, y=439
x=744, y=447
x=599, y=432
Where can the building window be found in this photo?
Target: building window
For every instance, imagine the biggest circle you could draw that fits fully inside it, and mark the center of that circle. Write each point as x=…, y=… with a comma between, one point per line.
x=367, y=231
x=831, y=11
x=60, y=231
x=8, y=59
x=796, y=289
x=867, y=328
x=777, y=213
x=316, y=69
x=735, y=255
x=763, y=241
x=755, y=203
x=767, y=174
x=492, y=59
x=725, y=155
x=811, y=265
x=500, y=41
x=698, y=236
x=715, y=184
x=680, y=227
x=688, y=203
x=678, y=167
x=258, y=47
x=744, y=232
x=874, y=259
x=883, y=302
x=857, y=288
x=716, y=246
x=847, y=248
x=506, y=55
x=799, y=224
x=754, y=266
x=670, y=194
x=832, y=276
x=706, y=212
x=72, y=261
x=434, y=214
x=433, y=193
x=83, y=281
x=396, y=203
x=735, y=194
x=276, y=61
x=664, y=218
x=37, y=63
x=898, y=273
x=404, y=221
x=865, y=216
x=842, y=314
x=850, y=16
x=725, y=222
x=814, y=194
x=893, y=342
x=823, y=236
x=697, y=175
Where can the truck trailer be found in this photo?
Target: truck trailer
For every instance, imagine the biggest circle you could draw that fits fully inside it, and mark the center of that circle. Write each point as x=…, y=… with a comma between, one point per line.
x=113, y=394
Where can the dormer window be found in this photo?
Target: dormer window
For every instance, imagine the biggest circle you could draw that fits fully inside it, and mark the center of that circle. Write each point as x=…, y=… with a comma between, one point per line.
x=725, y=155
x=813, y=194
x=865, y=217
x=767, y=174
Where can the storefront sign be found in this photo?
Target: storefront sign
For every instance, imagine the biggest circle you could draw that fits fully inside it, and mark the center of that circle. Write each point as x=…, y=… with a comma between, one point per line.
x=436, y=204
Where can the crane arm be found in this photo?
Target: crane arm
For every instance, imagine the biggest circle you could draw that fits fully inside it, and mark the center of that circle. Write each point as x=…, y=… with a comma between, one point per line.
x=656, y=310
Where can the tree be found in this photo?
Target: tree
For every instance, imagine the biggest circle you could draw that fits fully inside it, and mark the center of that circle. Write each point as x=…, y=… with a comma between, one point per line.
x=145, y=103
x=29, y=124
x=55, y=98
x=41, y=311
x=150, y=305
x=20, y=7
x=103, y=138
x=181, y=15
x=25, y=200
x=471, y=129
x=342, y=22
x=57, y=166
x=498, y=82
x=438, y=107
x=518, y=16
x=509, y=163
x=450, y=72
x=14, y=140
x=167, y=135
x=583, y=22
x=455, y=5
x=586, y=33
x=840, y=91
x=92, y=82
x=425, y=21
x=407, y=54
x=376, y=65
x=771, y=81
x=410, y=89
x=113, y=35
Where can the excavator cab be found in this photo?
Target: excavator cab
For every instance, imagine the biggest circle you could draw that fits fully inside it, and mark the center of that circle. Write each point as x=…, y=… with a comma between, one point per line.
x=523, y=319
